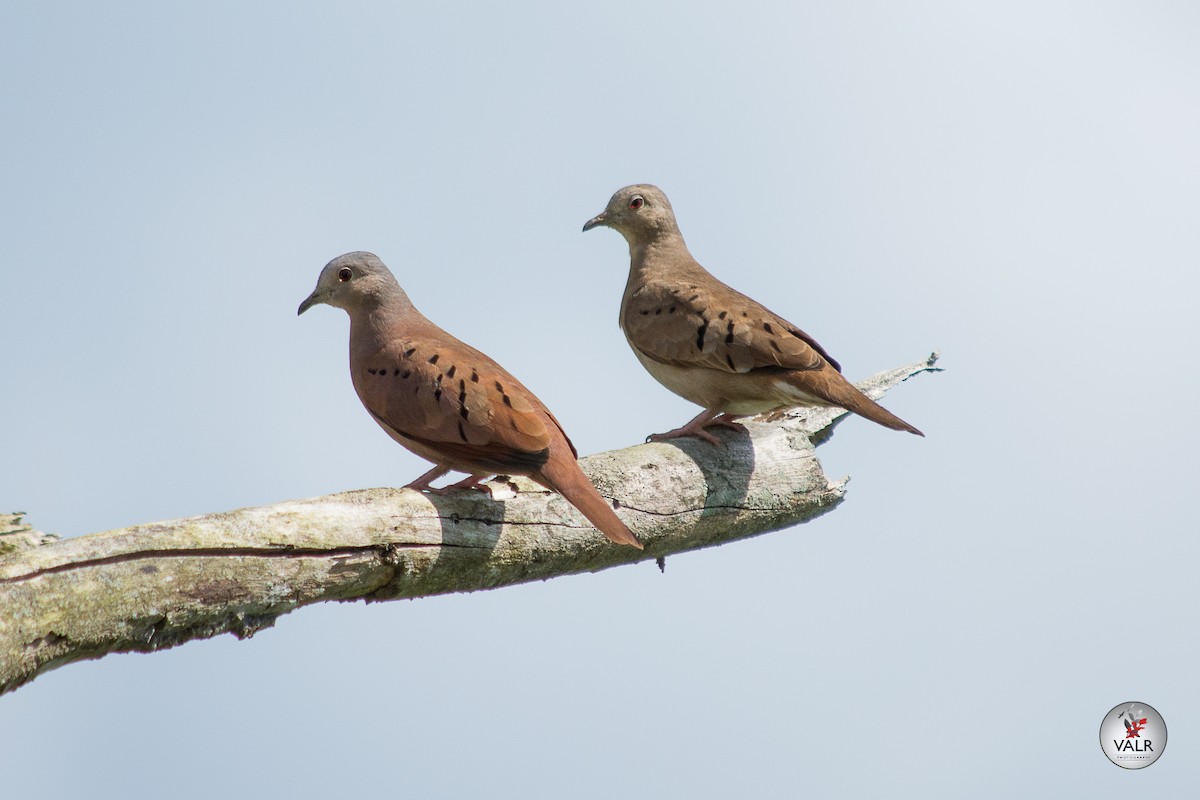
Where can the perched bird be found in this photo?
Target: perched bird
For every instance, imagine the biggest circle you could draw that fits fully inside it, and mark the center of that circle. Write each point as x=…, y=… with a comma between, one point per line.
x=446, y=401
x=709, y=343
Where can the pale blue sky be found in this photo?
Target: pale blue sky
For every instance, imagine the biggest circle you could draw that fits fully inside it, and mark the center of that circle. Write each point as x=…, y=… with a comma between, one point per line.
x=1016, y=184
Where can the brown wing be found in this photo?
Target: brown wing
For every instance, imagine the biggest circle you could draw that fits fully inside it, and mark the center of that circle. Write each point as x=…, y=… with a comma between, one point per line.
x=717, y=327
x=454, y=400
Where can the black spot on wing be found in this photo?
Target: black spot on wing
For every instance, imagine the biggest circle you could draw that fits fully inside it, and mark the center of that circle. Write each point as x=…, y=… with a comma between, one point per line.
x=483, y=458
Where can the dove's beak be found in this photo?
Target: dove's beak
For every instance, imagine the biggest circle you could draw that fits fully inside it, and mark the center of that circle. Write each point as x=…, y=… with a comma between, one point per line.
x=599, y=219
x=310, y=301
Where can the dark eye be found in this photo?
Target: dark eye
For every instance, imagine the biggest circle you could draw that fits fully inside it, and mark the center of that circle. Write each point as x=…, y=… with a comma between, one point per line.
x=344, y=274
x=637, y=201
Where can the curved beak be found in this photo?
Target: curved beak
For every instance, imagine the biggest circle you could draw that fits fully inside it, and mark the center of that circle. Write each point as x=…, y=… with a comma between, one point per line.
x=599, y=219
x=310, y=301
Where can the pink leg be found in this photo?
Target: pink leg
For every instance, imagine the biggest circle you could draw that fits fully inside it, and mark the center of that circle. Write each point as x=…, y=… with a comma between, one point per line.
x=470, y=482
x=705, y=419
x=421, y=484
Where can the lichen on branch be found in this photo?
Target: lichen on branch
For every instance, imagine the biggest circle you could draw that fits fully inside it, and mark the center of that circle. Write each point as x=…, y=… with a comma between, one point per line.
x=158, y=585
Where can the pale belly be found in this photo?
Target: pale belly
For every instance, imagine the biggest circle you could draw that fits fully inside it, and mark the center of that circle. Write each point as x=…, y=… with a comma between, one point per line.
x=736, y=393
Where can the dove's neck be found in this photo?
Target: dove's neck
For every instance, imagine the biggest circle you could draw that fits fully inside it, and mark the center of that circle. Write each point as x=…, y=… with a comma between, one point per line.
x=646, y=256
x=664, y=257
x=382, y=317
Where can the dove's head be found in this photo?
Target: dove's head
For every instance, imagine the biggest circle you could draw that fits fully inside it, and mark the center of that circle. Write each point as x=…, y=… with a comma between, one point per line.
x=641, y=213
x=355, y=281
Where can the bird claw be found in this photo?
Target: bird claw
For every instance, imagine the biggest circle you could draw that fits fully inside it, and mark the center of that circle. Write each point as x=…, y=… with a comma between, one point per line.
x=696, y=427
x=681, y=432
x=425, y=488
x=469, y=484
x=422, y=484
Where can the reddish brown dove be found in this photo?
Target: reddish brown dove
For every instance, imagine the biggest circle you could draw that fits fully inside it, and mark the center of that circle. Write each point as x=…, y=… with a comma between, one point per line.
x=709, y=343
x=446, y=401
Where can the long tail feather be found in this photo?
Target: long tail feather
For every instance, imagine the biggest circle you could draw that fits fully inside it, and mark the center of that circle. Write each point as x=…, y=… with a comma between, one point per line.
x=830, y=386
x=562, y=474
x=866, y=407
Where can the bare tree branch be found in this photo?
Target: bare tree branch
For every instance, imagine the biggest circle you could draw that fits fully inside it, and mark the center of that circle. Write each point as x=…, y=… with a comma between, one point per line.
x=157, y=585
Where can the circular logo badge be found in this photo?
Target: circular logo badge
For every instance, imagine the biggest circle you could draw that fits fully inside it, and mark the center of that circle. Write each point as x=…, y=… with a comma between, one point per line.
x=1133, y=735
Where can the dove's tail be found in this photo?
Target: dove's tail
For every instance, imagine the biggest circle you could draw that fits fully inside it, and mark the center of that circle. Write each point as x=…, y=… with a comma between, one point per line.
x=562, y=474
x=829, y=386
x=866, y=407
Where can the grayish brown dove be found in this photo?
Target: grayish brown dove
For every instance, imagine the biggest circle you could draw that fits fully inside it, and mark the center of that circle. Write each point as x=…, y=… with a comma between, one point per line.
x=446, y=401
x=709, y=343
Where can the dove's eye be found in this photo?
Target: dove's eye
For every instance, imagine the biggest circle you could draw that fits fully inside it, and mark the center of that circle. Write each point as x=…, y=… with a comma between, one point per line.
x=344, y=274
x=637, y=202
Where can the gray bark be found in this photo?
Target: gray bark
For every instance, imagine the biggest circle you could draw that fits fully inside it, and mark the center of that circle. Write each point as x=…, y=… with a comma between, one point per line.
x=160, y=584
